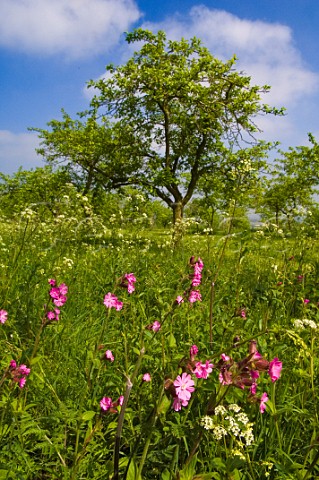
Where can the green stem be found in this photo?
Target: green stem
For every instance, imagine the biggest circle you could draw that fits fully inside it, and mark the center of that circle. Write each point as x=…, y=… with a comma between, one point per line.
x=129, y=385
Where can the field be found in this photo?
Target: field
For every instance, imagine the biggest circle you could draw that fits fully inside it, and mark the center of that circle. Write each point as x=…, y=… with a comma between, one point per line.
x=169, y=384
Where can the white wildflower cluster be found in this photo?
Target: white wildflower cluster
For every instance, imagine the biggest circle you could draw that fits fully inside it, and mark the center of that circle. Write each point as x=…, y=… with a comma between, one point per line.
x=302, y=324
x=28, y=213
x=234, y=423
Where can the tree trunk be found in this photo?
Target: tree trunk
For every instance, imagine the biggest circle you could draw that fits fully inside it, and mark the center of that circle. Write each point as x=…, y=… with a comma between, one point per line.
x=178, y=211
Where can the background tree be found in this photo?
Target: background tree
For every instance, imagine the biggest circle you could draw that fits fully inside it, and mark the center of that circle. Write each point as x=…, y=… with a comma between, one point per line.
x=291, y=189
x=166, y=119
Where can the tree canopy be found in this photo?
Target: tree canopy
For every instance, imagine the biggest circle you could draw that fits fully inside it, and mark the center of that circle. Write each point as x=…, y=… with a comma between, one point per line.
x=167, y=118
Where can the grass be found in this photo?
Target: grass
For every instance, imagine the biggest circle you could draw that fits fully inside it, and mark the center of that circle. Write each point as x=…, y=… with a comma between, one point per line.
x=54, y=427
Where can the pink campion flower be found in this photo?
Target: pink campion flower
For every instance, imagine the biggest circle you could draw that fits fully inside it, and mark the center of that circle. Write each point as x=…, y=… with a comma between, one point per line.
x=63, y=289
x=106, y=403
x=156, y=326
x=196, y=280
x=177, y=404
x=13, y=364
x=195, y=296
x=51, y=315
x=111, y=301
x=225, y=377
x=147, y=377
x=118, y=305
x=54, y=292
x=24, y=370
x=3, y=316
x=193, y=351
x=254, y=374
x=202, y=370
x=109, y=355
x=60, y=301
x=263, y=400
x=52, y=282
x=120, y=400
x=179, y=299
x=224, y=357
x=253, y=389
x=243, y=314
x=184, y=386
x=306, y=300
x=22, y=382
x=275, y=367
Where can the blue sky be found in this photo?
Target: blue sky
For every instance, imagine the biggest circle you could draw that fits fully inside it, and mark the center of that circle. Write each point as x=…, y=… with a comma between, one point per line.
x=49, y=49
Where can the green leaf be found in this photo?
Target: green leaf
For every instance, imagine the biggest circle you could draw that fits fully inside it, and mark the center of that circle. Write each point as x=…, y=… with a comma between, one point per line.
x=88, y=415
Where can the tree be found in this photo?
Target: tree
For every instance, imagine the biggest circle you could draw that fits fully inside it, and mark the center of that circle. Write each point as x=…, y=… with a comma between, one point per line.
x=171, y=113
x=291, y=189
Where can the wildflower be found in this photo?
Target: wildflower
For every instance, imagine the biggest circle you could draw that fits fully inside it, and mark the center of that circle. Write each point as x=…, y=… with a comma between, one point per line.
x=127, y=281
x=179, y=299
x=146, y=377
x=184, y=386
x=224, y=357
x=263, y=400
x=203, y=370
x=194, y=296
x=52, y=282
x=111, y=301
x=193, y=352
x=156, y=326
x=106, y=403
x=19, y=373
x=3, y=316
x=225, y=377
x=177, y=404
x=109, y=355
x=253, y=389
x=120, y=400
x=275, y=367
x=306, y=300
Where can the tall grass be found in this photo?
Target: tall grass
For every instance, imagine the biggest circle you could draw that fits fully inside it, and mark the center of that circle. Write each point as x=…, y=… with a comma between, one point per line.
x=55, y=428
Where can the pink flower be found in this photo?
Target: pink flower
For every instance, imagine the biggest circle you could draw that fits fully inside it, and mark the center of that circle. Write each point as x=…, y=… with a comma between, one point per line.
x=109, y=355
x=177, y=404
x=156, y=326
x=179, y=299
x=254, y=374
x=63, y=289
x=202, y=370
x=224, y=357
x=51, y=315
x=120, y=400
x=193, y=351
x=225, y=377
x=52, y=282
x=22, y=382
x=184, y=386
x=147, y=377
x=24, y=370
x=111, y=301
x=253, y=389
x=106, y=403
x=306, y=300
x=195, y=296
x=263, y=400
x=197, y=277
x=3, y=316
x=13, y=364
x=275, y=367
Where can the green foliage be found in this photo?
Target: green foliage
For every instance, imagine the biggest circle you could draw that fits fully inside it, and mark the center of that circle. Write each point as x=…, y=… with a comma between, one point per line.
x=172, y=115
x=53, y=428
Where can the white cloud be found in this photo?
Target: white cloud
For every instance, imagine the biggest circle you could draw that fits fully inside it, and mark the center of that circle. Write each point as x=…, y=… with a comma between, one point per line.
x=75, y=28
x=18, y=149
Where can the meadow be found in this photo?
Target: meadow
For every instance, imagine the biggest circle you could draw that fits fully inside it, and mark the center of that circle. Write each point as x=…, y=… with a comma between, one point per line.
x=123, y=356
